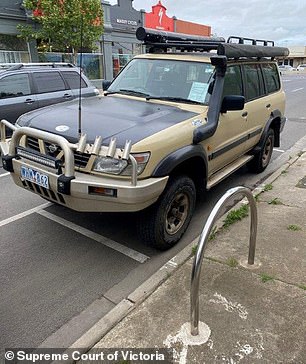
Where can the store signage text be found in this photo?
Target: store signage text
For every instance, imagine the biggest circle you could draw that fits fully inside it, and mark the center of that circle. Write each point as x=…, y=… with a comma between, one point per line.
x=127, y=22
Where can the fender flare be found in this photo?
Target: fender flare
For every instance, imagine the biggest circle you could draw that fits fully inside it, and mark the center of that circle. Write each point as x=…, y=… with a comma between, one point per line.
x=179, y=156
x=275, y=114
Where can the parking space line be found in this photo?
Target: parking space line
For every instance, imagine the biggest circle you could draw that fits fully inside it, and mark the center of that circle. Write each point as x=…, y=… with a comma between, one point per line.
x=24, y=214
x=133, y=254
x=4, y=174
x=298, y=89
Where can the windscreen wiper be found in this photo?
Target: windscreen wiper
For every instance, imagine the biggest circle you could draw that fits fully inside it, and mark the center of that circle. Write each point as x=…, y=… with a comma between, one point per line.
x=175, y=99
x=127, y=92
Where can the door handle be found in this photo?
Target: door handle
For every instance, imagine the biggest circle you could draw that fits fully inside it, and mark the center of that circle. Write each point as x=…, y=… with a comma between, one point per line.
x=29, y=101
x=245, y=114
x=268, y=106
x=67, y=96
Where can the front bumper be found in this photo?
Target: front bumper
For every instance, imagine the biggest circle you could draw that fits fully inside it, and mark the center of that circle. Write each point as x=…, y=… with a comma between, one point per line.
x=80, y=192
x=128, y=197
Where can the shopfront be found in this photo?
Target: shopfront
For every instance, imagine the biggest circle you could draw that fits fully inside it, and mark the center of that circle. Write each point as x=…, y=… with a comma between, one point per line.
x=12, y=48
x=119, y=43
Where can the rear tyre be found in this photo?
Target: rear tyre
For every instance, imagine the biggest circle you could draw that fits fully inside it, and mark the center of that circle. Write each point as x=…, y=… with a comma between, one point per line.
x=261, y=160
x=163, y=224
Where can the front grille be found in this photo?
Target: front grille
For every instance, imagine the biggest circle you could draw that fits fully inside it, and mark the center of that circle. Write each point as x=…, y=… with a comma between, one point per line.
x=33, y=144
x=81, y=159
x=53, y=150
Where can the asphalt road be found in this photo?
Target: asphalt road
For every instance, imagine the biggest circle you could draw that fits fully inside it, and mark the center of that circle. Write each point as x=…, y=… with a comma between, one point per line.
x=60, y=271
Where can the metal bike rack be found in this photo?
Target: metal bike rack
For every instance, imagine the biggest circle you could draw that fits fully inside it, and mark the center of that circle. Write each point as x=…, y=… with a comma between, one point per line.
x=197, y=263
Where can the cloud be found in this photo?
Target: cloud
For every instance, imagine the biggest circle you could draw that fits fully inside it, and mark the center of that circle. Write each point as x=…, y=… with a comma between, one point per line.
x=275, y=20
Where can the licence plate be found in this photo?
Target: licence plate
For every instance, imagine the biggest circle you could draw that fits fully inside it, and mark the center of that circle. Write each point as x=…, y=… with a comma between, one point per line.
x=34, y=176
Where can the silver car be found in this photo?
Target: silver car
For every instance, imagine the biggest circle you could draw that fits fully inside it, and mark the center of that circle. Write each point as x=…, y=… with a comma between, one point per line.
x=25, y=87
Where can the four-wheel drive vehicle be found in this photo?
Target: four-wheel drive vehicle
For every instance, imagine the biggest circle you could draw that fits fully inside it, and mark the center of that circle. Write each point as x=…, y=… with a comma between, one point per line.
x=170, y=126
x=28, y=86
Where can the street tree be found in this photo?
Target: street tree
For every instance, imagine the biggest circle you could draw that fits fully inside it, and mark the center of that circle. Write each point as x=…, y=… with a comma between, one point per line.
x=64, y=24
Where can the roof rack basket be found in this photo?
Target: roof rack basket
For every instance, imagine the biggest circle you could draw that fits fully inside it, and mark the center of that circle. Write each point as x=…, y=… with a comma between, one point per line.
x=251, y=41
x=234, y=48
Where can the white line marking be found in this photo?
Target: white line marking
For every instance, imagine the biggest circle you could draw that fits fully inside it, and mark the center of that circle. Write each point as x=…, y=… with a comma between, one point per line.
x=298, y=89
x=230, y=306
x=170, y=264
x=279, y=150
x=24, y=214
x=4, y=174
x=133, y=254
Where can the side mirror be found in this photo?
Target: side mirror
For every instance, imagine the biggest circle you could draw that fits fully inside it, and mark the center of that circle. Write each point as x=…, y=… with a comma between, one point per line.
x=105, y=84
x=232, y=102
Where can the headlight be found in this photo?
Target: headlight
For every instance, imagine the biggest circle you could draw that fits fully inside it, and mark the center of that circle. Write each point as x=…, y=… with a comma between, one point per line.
x=109, y=165
x=120, y=166
x=141, y=159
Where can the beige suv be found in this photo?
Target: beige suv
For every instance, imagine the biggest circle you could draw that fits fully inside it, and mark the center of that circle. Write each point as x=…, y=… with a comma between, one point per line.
x=170, y=126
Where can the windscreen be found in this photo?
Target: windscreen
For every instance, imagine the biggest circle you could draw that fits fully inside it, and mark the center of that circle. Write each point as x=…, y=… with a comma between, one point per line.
x=153, y=78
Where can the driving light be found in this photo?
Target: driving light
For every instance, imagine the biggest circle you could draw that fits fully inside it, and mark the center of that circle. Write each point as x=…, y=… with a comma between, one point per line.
x=110, y=192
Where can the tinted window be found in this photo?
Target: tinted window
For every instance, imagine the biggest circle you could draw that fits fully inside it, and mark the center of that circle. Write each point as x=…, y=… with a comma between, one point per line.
x=253, y=81
x=48, y=82
x=233, y=81
x=271, y=77
x=73, y=79
x=15, y=85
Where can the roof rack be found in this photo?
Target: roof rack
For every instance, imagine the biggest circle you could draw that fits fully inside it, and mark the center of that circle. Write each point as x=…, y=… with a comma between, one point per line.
x=251, y=41
x=17, y=66
x=161, y=40
x=234, y=48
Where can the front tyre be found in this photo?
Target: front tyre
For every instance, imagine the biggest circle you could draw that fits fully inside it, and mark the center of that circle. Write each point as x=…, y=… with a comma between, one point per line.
x=163, y=224
x=261, y=160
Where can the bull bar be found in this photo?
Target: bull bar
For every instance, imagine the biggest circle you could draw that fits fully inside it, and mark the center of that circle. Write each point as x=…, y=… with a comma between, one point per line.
x=67, y=148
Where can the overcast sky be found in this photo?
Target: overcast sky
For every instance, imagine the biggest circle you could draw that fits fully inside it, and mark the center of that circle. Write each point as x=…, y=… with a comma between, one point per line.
x=282, y=21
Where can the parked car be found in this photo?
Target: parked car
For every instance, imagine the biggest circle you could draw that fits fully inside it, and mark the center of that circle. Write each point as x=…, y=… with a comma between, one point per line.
x=174, y=124
x=301, y=67
x=28, y=86
x=286, y=68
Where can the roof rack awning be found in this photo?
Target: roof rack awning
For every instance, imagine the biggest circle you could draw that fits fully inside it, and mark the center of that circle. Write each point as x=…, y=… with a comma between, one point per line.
x=236, y=47
x=152, y=36
x=231, y=50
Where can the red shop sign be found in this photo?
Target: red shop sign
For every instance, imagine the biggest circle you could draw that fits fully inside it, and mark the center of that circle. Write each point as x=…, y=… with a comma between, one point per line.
x=158, y=19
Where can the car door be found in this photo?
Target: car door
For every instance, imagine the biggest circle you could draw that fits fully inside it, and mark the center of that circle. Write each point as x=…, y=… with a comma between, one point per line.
x=16, y=96
x=50, y=88
x=228, y=142
x=258, y=103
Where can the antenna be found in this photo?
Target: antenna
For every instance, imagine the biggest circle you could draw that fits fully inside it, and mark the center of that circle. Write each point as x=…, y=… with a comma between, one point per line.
x=80, y=90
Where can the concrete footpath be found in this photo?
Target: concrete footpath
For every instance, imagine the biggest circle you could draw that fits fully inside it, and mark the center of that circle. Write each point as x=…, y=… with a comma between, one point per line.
x=248, y=314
